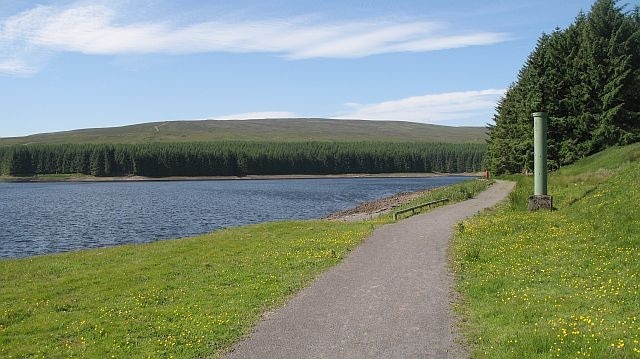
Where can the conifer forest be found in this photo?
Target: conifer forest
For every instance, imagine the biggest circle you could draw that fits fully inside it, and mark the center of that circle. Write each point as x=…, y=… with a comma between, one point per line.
x=239, y=158
x=587, y=77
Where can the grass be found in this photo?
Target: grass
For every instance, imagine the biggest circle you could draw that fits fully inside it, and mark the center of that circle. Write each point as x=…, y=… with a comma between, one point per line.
x=191, y=297
x=563, y=283
x=272, y=130
x=181, y=298
x=462, y=192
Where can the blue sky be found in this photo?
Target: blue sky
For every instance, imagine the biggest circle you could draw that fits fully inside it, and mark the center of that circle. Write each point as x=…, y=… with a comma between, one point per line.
x=82, y=64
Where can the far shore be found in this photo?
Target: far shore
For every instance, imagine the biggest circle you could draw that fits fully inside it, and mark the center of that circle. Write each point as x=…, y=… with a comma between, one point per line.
x=85, y=178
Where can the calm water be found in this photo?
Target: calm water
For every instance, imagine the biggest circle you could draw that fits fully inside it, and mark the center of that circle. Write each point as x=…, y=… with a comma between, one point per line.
x=38, y=218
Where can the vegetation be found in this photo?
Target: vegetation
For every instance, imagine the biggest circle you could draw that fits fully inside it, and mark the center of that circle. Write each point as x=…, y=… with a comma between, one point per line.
x=183, y=298
x=239, y=158
x=456, y=193
x=265, y=130
x=562, y=283
x=587, y=78
x=460, y=193
x=191, y=297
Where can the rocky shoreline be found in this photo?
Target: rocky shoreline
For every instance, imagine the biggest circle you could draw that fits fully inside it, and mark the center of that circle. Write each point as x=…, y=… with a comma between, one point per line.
x=372, y=209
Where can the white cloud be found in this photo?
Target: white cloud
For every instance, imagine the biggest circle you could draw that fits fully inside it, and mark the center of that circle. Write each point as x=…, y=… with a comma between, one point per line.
x=14, y=66
x=101, y=30
x=256, y=115
x=472, y=107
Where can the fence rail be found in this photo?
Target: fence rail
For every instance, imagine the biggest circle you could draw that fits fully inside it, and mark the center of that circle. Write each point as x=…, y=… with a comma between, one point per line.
x=418, y=207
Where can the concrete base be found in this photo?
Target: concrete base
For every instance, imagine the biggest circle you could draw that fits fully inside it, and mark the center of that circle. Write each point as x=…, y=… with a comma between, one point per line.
x=540, y=202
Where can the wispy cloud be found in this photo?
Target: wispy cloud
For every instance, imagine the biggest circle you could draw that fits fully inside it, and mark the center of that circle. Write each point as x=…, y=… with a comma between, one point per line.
x=16, y=66
x=444, y=108
x=256, y=115
x=96, y=29
x=451, y=108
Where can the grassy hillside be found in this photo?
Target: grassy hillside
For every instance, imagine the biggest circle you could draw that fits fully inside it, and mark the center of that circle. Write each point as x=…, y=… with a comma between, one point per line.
x=562, y=283
x=278, y=130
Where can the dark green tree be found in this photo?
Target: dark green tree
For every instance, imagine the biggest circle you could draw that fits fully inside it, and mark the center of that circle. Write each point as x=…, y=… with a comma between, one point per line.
x=587, y=78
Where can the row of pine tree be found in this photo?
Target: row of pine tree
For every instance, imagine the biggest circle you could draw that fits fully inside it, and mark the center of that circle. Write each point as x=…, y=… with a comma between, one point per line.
x=587, y=77
x=239, y=158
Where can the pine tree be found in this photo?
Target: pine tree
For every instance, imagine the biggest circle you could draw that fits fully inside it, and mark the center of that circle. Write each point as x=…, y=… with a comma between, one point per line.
x=587, y=77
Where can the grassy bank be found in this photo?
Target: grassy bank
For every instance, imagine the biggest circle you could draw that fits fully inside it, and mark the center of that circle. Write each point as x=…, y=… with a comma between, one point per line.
x=457, y=193
x=190, y=297
x=183, y=298
x=563, y=283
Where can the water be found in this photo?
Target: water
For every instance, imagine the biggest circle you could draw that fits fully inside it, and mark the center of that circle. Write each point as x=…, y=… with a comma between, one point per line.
x=39, y=218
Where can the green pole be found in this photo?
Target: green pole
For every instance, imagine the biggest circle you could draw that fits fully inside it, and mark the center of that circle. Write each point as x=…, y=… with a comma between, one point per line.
x=540, y=153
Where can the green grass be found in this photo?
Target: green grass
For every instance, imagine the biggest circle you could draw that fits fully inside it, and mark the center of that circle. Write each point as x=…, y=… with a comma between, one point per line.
x=182, y=298
x=562, y=283
x=457, y=193
x=272, y=130
x=191, y=297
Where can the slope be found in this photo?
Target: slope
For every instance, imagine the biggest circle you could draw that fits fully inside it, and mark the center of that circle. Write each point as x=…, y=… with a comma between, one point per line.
x=277, y=130
x=561, y=283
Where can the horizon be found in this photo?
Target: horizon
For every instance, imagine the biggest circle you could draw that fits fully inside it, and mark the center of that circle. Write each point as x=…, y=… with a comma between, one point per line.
x=235, y=120
x=69, y=65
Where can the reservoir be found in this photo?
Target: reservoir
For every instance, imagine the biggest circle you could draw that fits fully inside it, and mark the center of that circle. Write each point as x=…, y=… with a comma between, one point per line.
x=41, y=218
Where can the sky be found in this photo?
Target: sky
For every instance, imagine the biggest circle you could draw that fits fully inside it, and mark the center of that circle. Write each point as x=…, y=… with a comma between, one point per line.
x=84, y=64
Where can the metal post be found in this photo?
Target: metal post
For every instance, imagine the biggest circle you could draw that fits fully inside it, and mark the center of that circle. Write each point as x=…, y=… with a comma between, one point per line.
x=540, y=153
x=540, y=199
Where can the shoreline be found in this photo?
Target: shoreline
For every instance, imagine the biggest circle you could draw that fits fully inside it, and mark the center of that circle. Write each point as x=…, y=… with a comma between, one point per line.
x=361, y=211
x=83, y=178
x=377, y=207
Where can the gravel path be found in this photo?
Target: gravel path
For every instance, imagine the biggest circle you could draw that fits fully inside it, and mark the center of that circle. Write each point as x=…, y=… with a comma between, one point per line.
x=391, y=298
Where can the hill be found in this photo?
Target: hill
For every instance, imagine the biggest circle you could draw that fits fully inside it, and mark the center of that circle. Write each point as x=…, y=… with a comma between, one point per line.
x=276, y=130
x=563, y=283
